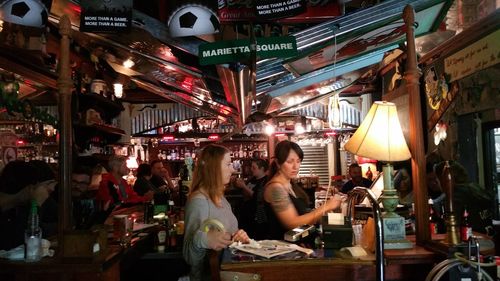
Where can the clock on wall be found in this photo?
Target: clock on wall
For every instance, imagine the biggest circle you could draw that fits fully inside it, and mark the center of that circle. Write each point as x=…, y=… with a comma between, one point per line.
x=9, y=154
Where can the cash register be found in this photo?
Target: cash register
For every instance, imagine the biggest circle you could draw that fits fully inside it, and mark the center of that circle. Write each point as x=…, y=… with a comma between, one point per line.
x=337, y=231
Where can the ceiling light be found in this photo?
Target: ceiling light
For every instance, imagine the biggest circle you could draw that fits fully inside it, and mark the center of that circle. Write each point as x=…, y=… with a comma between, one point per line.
x=118, y=89
x=269, y=129
x=299, y=129
x=128, y=63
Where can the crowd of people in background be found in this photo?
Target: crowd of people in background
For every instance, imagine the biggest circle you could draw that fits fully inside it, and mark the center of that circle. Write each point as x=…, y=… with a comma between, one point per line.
x=95, y=191
x=274, y=202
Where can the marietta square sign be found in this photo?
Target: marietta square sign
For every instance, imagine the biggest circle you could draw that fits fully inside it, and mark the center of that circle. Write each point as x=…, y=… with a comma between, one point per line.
x=238, y=50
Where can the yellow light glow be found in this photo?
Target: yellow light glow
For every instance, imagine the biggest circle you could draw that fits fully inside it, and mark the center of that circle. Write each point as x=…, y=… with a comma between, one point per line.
x=380, y=136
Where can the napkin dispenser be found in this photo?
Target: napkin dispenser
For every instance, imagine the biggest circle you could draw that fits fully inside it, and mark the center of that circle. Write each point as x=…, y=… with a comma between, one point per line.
x=337, y=234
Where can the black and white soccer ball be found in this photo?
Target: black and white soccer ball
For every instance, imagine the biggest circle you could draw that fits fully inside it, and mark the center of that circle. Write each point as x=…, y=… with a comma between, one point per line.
x=192, y=20
x=24, y=12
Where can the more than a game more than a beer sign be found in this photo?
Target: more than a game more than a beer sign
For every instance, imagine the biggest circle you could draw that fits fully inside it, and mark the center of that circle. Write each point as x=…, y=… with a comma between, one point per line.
x=106, y=16
x=240, y=50
x=275, y=9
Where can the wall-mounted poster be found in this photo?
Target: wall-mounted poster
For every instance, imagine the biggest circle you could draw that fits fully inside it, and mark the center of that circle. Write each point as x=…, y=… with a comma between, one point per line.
x=106, y=16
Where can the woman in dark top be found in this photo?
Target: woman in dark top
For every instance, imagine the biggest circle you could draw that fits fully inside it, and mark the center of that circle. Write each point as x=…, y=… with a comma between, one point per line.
x=285, y=208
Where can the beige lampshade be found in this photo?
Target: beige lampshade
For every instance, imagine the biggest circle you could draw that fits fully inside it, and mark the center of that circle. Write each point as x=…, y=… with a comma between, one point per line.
x=380, y=136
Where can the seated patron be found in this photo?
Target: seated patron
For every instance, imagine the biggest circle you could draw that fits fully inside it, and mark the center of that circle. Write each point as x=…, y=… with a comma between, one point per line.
x=402, y=183
x=466, y=194
x=85, y=207
x=16, y=177
x=38, y=192
x=160, y=178
x=357, y=179
x=143, y=184
x=114, y=190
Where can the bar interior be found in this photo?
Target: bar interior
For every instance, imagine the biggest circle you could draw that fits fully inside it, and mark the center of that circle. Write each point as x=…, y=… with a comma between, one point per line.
x=381, y=117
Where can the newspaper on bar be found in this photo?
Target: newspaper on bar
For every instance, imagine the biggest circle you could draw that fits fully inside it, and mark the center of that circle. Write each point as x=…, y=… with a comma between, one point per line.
x=269, y=248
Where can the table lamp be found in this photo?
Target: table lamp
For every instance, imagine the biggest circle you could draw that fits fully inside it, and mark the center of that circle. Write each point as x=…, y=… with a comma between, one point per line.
x=132, y=165
x=380, y=137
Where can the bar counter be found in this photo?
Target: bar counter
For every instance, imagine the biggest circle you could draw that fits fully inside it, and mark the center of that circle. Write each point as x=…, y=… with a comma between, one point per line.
x=105, y=266
x=135, y=262
x=410, y=264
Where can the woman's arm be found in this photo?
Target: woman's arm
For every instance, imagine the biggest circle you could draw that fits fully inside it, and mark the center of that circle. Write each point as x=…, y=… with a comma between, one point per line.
x=285, y=211
x=38, y=192
x=197, y=241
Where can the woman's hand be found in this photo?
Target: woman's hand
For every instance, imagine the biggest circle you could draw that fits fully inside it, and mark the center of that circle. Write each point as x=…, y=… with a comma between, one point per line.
x=332, y=204
x=241, y=236
x=218, y=240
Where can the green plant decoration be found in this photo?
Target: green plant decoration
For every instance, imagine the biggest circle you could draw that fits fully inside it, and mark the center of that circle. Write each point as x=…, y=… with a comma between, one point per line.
x=10, y=101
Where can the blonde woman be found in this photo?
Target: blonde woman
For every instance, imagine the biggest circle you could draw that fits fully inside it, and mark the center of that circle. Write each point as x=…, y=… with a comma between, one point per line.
x=206, y=201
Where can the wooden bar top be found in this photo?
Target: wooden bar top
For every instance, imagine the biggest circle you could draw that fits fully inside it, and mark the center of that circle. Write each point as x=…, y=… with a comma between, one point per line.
x=406, y=264
x=104, y=266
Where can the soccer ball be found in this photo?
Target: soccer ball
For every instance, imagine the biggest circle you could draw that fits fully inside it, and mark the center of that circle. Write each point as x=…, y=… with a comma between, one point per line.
x=24, y=12
x=191, y=20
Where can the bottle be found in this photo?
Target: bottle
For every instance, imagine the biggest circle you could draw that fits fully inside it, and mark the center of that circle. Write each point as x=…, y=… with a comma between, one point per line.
x=161, y=236
x=33, y=236
x=172, y=236
x=148, y=212
x=433, y=221
x=442, y=221
x=240, y=152
x=465, y=227
x=410, y=222
x=369, y=174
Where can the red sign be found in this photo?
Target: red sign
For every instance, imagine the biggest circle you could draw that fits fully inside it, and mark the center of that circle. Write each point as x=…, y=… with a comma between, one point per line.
x=244, y=10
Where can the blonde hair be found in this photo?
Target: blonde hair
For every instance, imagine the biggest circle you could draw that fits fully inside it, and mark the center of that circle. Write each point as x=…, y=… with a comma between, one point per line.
x=207, y=174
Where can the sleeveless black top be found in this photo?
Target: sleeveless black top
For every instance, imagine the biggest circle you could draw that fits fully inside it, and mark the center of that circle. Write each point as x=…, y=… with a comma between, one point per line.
x=276, y=230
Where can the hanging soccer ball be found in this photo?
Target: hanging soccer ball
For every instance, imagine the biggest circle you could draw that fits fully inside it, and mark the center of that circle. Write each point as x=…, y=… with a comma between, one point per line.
x=24, y=12
x=191, y=20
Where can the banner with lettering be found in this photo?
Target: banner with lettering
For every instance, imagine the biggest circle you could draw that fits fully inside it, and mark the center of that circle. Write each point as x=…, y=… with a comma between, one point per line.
x=239, y=50
x=298, y=11
x=477, y=56
x=275, y=9
x=106, y=16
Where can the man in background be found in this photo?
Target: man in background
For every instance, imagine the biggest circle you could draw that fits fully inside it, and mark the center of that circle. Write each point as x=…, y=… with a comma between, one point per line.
x=253, y=217
x=160, y=177
x=357, y=179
